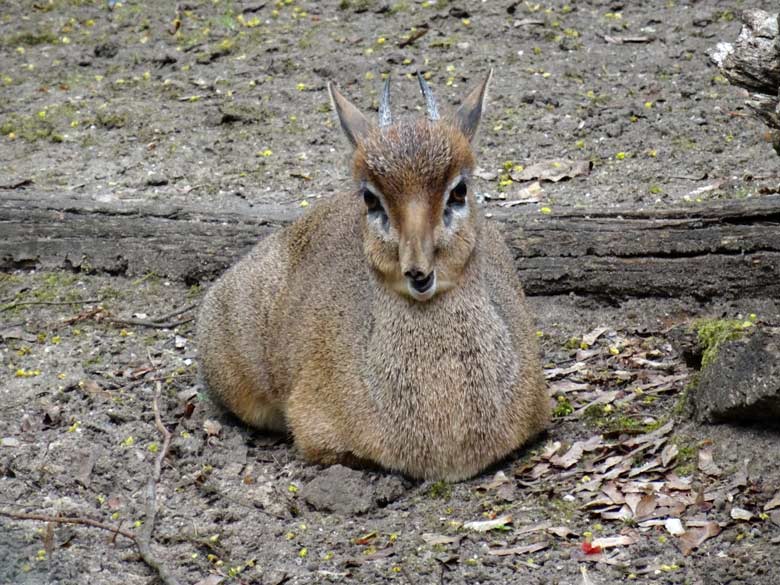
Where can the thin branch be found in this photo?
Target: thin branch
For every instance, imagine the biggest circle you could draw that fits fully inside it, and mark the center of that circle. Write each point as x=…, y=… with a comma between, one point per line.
x=175, y=313
x=68, y=520
x=405, y=573
x=145, y=537
x=26, y=303
x=162, y=322
x=150, y=324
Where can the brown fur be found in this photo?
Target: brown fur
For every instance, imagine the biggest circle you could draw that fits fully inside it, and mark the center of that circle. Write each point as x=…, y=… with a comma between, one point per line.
x=313, y=330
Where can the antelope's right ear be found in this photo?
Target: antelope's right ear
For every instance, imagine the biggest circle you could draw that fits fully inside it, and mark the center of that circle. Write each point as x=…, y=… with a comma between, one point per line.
x=470, y=112
x=353, y=122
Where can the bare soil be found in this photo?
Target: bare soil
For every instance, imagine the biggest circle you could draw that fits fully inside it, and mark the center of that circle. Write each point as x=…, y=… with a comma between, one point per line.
x=224, y=104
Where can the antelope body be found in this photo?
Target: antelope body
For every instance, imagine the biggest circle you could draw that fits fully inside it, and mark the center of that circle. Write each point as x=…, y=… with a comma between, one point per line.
x=387, y=326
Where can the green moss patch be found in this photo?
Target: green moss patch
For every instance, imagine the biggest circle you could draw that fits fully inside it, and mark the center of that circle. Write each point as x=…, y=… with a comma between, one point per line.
x=712, y=333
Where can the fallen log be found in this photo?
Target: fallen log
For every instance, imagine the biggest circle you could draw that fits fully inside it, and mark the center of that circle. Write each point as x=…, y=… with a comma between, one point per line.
x=726, y=250
x=752, y=62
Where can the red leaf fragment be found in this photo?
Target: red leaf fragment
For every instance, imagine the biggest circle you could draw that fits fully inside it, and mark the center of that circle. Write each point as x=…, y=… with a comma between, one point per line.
x=589, y=549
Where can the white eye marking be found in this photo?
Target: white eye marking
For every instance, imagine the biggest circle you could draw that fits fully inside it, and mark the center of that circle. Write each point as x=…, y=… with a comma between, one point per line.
x=454, y=213
x=453, y=184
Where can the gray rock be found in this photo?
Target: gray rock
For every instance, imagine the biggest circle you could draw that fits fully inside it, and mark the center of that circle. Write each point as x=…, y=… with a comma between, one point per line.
x=743, y=383
x=348, y=491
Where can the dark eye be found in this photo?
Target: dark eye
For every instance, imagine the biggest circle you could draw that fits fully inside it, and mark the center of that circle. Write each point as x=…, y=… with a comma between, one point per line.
x=372, y=201
x=458, y=194
x=374, y=207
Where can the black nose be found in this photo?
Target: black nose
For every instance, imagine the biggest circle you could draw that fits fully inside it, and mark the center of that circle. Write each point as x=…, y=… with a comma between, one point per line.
x=420, y=282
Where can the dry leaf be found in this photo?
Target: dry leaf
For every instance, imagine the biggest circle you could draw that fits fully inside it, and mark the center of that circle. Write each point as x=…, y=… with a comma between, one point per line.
x=586, y=580
x=652, y=438
x=484, y=174
x=434, y=539
x=187, y=394
x=620, y=40
x=706, y=464
x=589, y=486
x=774, y=515
x=564, y=386
x=518, y=550
x=607, y=397
x=674, y=482
x=530, y=194
x=704, y=189
x=633, y=501
x=590, y=338
x=674, y=526
x=592, y=443
x=569, y=458
x=652, y=464
x=610, y=462
x=528, y=22
x=646, y=506
x=624, y=513
x=694, y=537
x=773, y=503
x=85, y=467
x=668, y=454
x=486, y=525
x=561, y=531
x=550, y=449
x=533, y=528
x=211, y=580
x=498, y=480
x=587, y=354
x=17, y=333
x=613, y=541
x=740, y=514
x=539, y=470
x=365, y=539
x=553, y=170
x=212, y=427
x=554, y=373
x=613, y=493
x=642, y=486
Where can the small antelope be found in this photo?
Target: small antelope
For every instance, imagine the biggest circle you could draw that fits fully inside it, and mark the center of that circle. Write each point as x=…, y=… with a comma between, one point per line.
x=387, y=326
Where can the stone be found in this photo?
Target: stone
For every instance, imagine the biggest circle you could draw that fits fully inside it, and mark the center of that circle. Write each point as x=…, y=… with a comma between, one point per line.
x=347, y=491
x=742, y=384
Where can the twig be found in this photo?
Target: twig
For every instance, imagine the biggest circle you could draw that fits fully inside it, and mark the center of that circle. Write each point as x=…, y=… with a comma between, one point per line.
x=68, y=520
x=405, y=573
x=25, y=303
x=150, y=324
x=144, y=539
x=162, y=322
x=175, y=313
x=420, y=32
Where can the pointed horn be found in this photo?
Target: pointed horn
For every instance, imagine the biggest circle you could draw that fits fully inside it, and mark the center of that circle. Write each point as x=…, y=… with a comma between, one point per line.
x=385, y=118
x=430, y=101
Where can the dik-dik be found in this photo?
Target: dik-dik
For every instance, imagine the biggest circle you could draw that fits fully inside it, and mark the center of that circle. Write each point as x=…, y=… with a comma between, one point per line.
x=388, y=326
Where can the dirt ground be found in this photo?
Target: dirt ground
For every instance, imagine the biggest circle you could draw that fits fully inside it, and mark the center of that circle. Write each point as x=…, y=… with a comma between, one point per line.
x=224, y=103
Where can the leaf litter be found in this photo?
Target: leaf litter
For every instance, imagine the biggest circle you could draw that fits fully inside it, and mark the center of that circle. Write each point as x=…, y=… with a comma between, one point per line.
x=634, y=477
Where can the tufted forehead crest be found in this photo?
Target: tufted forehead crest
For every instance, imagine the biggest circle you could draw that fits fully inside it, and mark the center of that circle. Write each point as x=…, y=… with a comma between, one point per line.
x=416, y=145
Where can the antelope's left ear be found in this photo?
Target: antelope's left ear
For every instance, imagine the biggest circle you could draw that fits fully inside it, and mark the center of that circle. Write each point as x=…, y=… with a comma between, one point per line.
x=470, y=112
x=353, y=122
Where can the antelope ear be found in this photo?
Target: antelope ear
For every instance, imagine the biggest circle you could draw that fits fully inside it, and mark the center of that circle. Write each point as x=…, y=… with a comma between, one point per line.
x=470, y=112
x=353, y=123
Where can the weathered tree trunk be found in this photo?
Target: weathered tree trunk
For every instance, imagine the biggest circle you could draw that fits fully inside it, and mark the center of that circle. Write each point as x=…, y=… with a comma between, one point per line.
x=753, y=62
x=727, y=250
